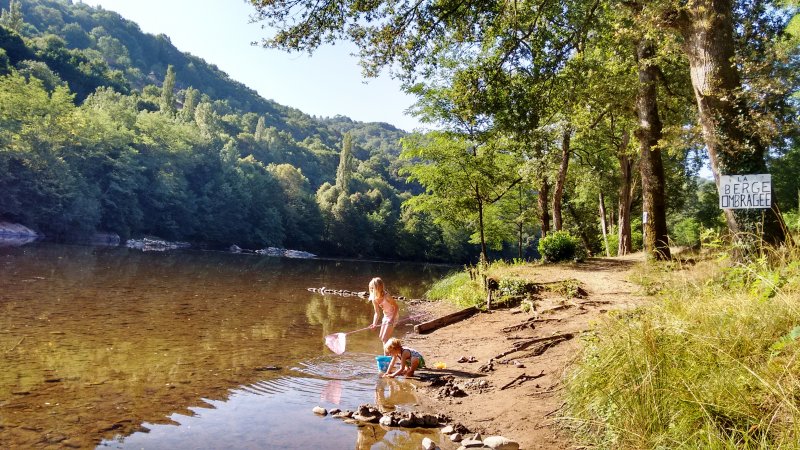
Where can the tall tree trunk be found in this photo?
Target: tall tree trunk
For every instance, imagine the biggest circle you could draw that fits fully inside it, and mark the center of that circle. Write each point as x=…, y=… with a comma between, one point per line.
x=544, y=215
x=604, y=224
x=625, y=241
x=587, y=243
x=558, y=191
x=707, y=30
x=625, y=244
x=480, y=225
x=651, y=166
x=520, y=224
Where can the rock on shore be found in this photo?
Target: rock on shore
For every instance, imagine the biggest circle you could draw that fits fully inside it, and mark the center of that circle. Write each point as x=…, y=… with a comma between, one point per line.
x=367, y=413
x=16, y=230
x=14, y=234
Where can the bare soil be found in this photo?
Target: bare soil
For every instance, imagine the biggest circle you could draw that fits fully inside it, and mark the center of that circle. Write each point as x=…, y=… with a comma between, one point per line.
x=515, y=386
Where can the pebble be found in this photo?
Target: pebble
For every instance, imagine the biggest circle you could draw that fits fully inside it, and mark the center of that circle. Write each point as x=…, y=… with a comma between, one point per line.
x=454, y=431
x=500, y=443
x=405, y=423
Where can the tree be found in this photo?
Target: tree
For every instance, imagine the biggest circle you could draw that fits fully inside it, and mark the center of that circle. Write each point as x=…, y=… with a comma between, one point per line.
x=168, y=92
x=650, y=162
x=558, y=191
x=461, y=178
x=40, y=136
x=344, y=173
x=191, y=97
x=301, y=217
x=12, y=17
x=707, y=28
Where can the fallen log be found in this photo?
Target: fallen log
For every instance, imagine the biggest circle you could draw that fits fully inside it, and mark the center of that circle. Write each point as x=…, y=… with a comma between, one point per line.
x=435, y=324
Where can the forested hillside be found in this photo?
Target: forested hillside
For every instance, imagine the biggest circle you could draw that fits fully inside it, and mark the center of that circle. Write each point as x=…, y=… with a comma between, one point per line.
x=106, y=128
x=569, y=120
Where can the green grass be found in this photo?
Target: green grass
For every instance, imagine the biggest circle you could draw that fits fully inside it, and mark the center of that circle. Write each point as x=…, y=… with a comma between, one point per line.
x=458, y=289
x=713, y=362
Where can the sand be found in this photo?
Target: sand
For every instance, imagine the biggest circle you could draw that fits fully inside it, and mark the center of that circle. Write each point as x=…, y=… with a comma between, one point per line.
x=520, y=395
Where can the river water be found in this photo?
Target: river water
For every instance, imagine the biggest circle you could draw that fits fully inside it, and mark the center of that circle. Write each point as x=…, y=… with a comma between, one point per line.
x=119, y=348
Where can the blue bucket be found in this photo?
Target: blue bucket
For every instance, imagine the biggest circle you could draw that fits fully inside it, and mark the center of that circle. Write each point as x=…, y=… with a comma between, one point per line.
x=383, y=362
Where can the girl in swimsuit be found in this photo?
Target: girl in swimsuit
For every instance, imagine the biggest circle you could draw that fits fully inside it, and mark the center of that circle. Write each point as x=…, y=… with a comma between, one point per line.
x=382, y=301
x=410, y=359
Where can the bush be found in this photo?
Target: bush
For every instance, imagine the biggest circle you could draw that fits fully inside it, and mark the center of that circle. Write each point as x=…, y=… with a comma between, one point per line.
x=686, y=233
x=559, y=246
x=792, y=219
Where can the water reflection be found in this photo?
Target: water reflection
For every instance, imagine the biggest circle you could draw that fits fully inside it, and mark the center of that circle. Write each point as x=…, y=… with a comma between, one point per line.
x=16, y=241
x=97, y=343
x=391, y=394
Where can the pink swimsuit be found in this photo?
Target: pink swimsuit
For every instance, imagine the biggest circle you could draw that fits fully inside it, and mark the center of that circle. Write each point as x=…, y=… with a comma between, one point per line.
x=389, y=312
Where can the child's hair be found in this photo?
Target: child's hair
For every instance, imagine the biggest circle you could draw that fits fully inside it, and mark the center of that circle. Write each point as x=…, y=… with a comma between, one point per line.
x=393, y=344
x=377, y=285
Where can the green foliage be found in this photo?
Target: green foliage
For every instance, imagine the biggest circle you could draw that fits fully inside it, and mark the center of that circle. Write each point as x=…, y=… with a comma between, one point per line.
x=687, y=233
x=785, y=341
x=792, y=220
x=512, y=286
x=710, y=364
x=462, y=179
x=82, y=152
x=559, y=246
x=12, y=17
x=459, y=289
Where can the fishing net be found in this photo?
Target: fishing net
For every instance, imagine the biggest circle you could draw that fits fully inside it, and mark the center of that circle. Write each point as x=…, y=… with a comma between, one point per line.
x=336, y=342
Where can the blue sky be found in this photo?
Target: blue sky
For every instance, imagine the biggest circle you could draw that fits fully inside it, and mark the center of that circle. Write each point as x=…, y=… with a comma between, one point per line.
x=325, y=84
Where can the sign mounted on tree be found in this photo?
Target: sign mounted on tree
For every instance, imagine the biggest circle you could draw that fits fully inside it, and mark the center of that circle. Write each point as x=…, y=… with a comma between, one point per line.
x=745, y=191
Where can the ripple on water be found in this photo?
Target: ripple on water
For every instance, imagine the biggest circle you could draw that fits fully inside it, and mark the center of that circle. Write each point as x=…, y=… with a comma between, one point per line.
x=335, y=380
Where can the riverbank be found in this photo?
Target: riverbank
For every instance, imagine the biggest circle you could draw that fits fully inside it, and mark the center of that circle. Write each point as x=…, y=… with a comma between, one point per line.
x=514, y=386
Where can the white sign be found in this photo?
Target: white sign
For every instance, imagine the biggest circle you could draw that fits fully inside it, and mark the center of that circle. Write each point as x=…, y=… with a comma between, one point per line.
x=745, y=191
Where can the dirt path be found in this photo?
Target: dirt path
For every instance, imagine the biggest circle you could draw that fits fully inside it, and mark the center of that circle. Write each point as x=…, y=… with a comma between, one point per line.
x=520, y=393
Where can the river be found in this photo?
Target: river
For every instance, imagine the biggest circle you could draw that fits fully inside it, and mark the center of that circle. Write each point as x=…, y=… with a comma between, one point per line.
x=118, y=348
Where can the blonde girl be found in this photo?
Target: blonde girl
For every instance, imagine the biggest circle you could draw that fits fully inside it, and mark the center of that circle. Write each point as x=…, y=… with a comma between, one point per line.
x=382, y=301
x=410, y=359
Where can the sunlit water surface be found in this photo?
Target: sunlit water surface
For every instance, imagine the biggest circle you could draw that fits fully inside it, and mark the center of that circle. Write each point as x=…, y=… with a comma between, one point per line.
x=120, y=348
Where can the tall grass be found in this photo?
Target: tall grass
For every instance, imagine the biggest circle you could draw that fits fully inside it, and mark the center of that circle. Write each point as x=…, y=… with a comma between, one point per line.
x=459, y=288
x=713, y=362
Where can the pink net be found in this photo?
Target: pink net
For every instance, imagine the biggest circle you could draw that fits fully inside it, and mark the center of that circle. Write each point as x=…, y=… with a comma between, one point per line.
x=336, y=342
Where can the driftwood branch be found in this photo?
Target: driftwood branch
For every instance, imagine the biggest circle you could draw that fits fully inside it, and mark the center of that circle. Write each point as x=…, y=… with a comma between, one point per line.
x=595, y=302
x=522, y=345
x=15, y=345
x=543, y=347
x=557, y=308
x=522, y=378
x=528, y=324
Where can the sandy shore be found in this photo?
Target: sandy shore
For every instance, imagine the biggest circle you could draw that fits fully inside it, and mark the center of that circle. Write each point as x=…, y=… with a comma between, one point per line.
x=514, y=387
